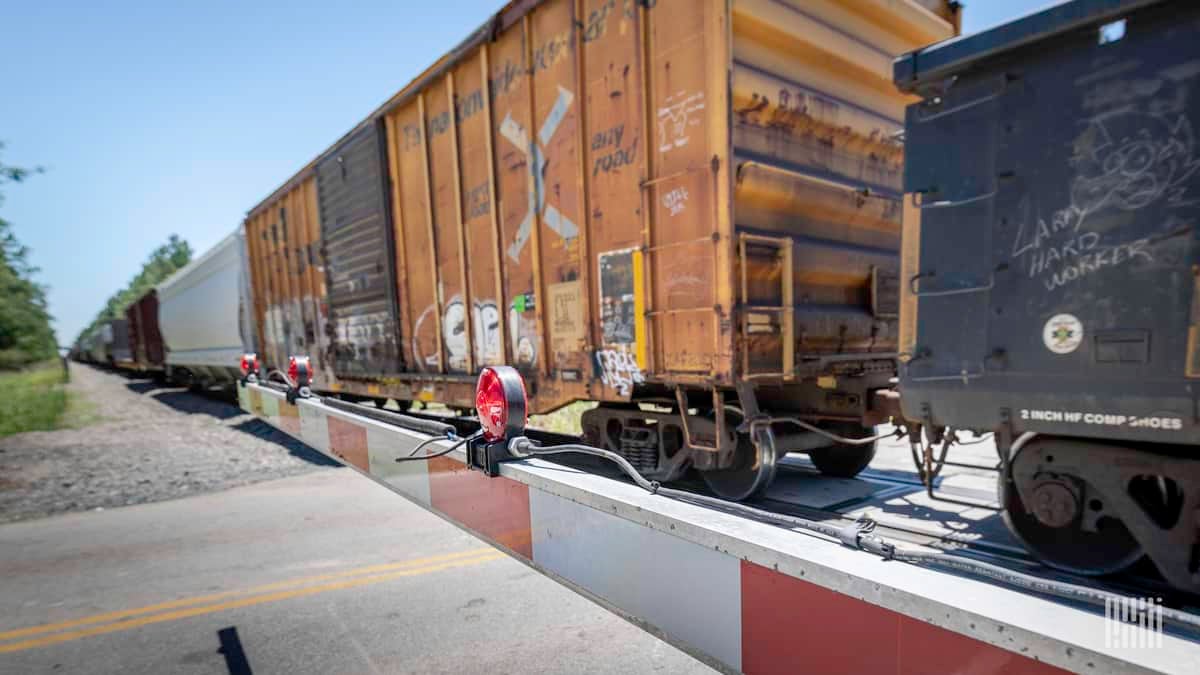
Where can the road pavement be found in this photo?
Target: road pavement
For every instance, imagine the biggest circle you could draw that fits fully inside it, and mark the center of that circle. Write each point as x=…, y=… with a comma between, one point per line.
x=321, y=573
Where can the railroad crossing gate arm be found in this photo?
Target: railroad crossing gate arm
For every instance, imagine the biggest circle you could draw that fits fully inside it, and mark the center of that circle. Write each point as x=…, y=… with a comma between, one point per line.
x=740, y=594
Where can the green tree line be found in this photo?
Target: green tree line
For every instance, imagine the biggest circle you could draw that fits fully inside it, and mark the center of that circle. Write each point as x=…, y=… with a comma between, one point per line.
x=162, y=263
x=26, y=335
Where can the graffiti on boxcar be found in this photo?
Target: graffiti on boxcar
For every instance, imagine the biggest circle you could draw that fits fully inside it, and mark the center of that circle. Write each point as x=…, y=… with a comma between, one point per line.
x=616, y=297
x=485, y=323
x=675, y=201
x=617, y=368
x=1125, y=160
x=676, y=119
x=522, y=329
x=535, y=155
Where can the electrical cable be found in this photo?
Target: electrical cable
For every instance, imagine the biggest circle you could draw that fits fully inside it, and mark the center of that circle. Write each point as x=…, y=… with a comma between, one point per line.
x=898, y=433
x=859, y=535
x=452, y=448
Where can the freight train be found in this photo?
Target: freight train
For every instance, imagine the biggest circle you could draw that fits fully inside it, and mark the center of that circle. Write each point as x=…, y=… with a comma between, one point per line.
x=692, y=213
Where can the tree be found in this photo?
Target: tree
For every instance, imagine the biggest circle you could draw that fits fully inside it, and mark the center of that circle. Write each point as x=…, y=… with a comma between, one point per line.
x=162, y=263
x=26, y=335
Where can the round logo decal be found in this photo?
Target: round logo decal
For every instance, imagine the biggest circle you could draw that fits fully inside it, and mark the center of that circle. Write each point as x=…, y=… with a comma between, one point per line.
x=1062, y=333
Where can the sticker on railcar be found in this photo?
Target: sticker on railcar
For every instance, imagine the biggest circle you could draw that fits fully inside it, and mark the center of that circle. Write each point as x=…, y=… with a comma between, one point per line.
x=1164, y=423
x=616, y=297
x=1063, y=333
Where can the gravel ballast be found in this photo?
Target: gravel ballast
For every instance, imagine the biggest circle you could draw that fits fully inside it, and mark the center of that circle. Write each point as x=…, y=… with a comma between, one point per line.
x=151, y=443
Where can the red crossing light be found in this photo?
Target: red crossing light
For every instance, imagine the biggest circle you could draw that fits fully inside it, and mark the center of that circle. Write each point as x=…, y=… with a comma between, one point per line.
x=299, y=372
x=500, y=403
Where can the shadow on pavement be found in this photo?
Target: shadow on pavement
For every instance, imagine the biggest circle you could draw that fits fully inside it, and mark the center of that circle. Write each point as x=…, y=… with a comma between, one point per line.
x=231, y=648
x=198, y=404
x=296, y=448
x=143, y=386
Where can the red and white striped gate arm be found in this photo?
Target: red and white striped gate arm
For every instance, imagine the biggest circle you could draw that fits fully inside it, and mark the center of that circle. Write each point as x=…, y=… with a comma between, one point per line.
x=745, y=595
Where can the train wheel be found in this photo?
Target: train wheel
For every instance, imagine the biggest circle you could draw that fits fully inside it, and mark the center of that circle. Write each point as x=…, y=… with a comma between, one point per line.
x=751, y=474
x=844, y=461
x=1053, y=531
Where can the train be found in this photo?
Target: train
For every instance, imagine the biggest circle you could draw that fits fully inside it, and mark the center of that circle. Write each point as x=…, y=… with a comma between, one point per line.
x=758, y=227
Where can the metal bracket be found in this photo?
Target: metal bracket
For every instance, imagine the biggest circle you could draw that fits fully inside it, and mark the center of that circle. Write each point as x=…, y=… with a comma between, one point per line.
x=486, y=457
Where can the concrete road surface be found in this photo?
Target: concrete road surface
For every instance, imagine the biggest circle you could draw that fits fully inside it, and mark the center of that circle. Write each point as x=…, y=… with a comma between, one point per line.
x=322, y=573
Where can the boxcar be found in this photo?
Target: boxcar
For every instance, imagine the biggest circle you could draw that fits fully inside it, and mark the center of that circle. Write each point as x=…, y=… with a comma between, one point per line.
x=687, y=211
x=203, y=313
x=1053, y=272
x=120, y=355
x=145, y=339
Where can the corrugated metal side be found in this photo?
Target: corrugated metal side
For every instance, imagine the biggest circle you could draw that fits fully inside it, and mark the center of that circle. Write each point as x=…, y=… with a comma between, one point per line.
x=287, y=278
x=522, y=179
x=359, y=258
x=818, y=159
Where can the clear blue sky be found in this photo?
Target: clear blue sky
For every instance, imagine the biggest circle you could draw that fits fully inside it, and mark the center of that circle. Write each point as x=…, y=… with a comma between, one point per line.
x=176, y=117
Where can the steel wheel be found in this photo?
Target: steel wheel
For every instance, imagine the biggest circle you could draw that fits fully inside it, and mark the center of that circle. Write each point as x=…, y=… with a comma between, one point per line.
x=844, y=461
x=1070, y=548
x=750, y=476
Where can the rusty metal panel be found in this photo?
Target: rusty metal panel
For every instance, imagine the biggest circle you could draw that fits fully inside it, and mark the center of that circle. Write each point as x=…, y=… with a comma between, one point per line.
x=516, y=190
x=417, y=281
x=287, y=278
x=481, y=308
x=555, y=144
x=614, y=170
x=686, y=43
x=145, y=339
x=816, y=141
x=357, y=235
x=579, y=188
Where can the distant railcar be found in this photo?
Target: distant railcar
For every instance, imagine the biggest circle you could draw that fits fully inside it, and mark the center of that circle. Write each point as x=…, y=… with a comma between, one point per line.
x=686, y=210
x=145, y=338
x=203, y=316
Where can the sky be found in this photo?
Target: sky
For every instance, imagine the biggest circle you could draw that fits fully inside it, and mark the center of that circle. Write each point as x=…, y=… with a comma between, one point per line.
x=153, y=118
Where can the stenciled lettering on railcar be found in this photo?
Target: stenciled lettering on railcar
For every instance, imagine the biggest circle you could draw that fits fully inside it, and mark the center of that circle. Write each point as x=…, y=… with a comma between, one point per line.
x=1162, y=422
x=552, y=51
x=479, y=202
x=609, y=155
x=503, y=78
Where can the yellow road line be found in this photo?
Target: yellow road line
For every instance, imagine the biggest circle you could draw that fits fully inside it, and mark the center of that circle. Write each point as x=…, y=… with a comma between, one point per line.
x=201, y=599
x=242, y=602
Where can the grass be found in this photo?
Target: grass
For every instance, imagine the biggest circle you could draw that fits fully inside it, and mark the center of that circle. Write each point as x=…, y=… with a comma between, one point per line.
x=565, y=420
x=34, y=399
